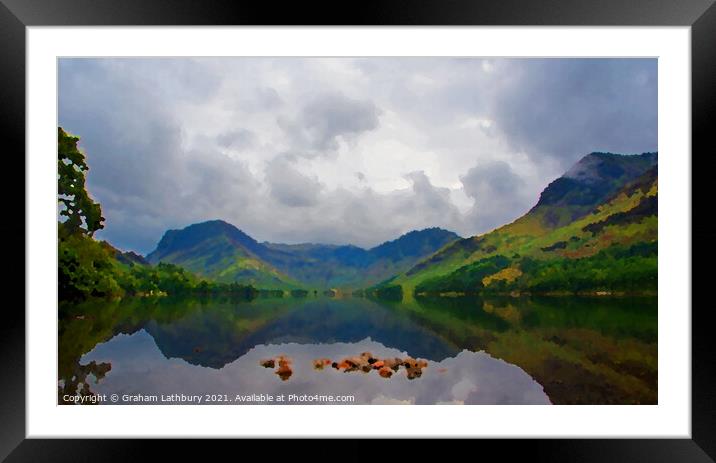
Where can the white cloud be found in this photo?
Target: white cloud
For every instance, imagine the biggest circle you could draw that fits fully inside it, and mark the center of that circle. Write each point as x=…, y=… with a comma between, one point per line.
x=477, y=123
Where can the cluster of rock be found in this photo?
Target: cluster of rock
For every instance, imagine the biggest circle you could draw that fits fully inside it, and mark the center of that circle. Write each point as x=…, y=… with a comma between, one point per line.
x=284, y=370
x=364, y=362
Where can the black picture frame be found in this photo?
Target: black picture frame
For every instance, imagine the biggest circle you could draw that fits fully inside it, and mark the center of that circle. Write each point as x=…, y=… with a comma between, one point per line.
x=700, y=15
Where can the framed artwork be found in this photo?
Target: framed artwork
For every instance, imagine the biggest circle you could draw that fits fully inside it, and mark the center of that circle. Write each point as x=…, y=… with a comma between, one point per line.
x=276, y=223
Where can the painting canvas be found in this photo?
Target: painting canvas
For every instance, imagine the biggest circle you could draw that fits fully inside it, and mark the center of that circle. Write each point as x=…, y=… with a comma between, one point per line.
x=374, y=230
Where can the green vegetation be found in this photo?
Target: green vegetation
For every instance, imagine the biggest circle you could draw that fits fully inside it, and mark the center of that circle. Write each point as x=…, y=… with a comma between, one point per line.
x=390, y=292
x=271, y=293
x=465, y=280
x=386, y=291
x=630, y=269
x=89, y=268
x=220, y=252
x=617, y=269
x=82, y=215
x=85, y=268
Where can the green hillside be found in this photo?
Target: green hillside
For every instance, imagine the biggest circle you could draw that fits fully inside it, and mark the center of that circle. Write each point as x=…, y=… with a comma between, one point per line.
x=595, y=233
x=220, y=252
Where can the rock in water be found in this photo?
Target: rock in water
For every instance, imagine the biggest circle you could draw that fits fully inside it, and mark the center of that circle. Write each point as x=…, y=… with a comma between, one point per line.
x=268, y=363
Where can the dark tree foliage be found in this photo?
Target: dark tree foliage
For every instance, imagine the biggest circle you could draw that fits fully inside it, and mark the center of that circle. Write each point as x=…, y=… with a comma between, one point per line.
x=270, y=292
x=389, y=293
x=467, y=279
x=385, y=290
x=555, y=246
x=618, y=268
x=89, y=268
x=647, y=207
x=83, y=215
x=85, y=269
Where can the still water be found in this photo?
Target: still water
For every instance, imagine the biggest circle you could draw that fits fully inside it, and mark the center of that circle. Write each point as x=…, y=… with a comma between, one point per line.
x=558, y=350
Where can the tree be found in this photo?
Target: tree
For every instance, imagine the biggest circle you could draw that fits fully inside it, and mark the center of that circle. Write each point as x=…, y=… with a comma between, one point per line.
x=77, y=206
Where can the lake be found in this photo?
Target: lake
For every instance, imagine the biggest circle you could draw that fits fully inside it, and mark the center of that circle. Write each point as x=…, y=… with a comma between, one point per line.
x=464, y=350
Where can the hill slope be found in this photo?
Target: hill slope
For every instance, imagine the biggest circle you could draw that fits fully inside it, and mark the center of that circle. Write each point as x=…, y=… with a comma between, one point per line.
x=593, y=229
x=220, y=251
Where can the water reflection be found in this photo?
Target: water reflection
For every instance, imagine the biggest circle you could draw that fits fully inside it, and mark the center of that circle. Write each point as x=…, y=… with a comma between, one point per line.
x=509, y=350
x=140, y=368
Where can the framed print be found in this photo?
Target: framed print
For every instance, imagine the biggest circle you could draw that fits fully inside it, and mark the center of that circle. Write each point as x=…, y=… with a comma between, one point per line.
x=276, y=224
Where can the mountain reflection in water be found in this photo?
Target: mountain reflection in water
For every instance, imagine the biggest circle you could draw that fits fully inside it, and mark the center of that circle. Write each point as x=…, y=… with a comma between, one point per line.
x=558, y=350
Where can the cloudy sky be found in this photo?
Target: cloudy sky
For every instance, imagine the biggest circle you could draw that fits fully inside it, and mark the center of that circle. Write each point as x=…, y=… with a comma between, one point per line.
x=342, y=150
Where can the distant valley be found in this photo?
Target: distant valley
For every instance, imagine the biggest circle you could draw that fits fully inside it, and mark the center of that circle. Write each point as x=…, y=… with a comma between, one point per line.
x=220, y=251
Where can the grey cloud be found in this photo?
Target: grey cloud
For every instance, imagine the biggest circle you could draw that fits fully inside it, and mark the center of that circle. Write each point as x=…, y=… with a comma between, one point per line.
x=217, y=182
x=237, y=139
x=497, y=193
x=291, y=187
x=130, y=151
x=267, y=98
x=431, y=198
x=568, y=108
x=258, y=99
x=366, y=217
x=139, y=172
x=553, y=110
x=330, y=116
x=493, y=177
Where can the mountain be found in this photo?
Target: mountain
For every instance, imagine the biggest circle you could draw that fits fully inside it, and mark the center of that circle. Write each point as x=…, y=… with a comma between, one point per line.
x=351, y=267
x=414, y=244
x=590, y=182
x=593, y=230
x=218, y=250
